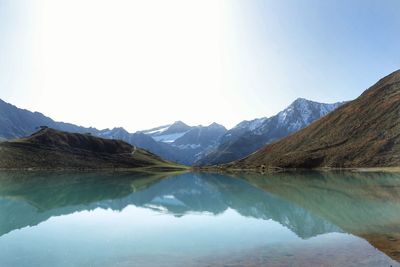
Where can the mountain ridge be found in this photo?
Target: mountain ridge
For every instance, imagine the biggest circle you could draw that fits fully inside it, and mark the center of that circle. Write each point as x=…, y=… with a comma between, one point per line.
x=177, y=142
x=249, y=136
x=18, y=123
x=361, y=133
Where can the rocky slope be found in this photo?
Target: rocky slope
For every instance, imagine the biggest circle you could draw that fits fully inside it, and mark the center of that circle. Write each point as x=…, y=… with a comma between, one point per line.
x=362, y=133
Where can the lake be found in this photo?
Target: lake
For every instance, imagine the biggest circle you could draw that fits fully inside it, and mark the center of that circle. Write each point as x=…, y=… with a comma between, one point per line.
x=199, y=219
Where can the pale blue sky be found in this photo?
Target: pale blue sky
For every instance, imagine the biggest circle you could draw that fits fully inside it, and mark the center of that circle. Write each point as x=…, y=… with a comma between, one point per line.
x=143, y=63
x=323, y=50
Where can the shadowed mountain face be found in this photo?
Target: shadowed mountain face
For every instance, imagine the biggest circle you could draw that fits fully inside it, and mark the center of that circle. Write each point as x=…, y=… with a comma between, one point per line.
x=362, y=133
x=52, y=149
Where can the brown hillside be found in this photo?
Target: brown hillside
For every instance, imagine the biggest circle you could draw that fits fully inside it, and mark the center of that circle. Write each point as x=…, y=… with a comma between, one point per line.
x=362, y=133
x=52, y=149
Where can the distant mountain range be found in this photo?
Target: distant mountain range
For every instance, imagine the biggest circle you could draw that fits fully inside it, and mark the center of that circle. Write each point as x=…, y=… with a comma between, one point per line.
x=362, y=133
x=186, y=144
x=178, y=142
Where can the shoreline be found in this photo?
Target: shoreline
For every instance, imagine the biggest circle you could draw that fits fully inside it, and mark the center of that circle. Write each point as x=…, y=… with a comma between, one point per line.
x=275, y=170
x=153, y=169
x=133, y=170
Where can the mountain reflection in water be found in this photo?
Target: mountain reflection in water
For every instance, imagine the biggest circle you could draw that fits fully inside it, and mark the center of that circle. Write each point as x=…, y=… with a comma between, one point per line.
x=311, y=204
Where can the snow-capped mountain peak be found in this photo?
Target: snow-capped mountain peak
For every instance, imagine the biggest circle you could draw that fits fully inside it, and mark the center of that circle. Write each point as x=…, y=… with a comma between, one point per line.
x=303, y=112
x=249, y=136
x=168, y=133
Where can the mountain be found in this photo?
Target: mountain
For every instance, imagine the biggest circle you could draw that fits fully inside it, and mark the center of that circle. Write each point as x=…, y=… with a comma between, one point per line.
x=117, y=133
x=159, y=148
x=198, y=141
x=362, y=133
x=168, y=133
x=17, y=123
x=201, y=136
x=179, y=142
x=53, y=149
x=176, y=142
x=249, y=136
x=182, y=143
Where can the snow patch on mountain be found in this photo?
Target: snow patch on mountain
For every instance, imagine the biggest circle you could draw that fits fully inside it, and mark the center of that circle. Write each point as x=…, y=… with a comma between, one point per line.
x=168, y=138
x=189, y=146
x=157, y=131
x=251, y=125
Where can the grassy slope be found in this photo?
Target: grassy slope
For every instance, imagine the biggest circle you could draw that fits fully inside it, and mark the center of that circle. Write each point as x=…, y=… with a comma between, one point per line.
x=362, y=133
x=51, y=149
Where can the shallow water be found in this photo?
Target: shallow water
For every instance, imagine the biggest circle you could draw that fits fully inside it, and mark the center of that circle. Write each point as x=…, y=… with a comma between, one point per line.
x=194, y=219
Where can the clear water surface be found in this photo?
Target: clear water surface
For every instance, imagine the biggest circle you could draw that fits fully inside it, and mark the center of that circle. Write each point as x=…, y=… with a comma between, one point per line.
x=199, y=219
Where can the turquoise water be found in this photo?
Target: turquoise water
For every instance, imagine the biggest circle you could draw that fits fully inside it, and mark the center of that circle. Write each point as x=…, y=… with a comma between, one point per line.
x=195, y=219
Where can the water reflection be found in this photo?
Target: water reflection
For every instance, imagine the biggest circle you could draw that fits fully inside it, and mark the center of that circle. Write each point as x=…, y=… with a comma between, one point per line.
x=27, y=200
x=363, y=204
x=308, y=204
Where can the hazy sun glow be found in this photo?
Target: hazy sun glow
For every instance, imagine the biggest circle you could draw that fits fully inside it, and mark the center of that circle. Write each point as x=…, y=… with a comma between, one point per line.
x=127, y=62
x=144, y=63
